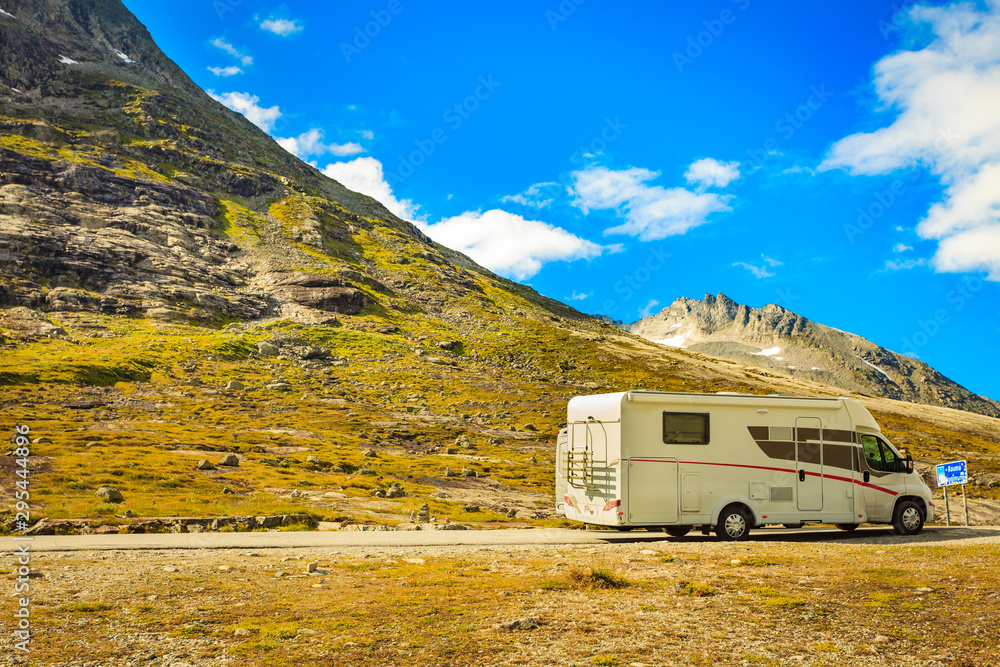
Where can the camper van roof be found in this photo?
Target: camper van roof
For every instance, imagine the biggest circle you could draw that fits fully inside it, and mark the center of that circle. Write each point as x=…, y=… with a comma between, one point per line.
x=733, y=394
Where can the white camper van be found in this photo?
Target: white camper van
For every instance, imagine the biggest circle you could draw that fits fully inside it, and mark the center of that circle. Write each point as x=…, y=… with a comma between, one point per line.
x=733, y=461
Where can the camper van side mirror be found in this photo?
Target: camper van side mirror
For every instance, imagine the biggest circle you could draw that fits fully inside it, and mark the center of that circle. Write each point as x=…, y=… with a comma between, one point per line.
x=906, y=464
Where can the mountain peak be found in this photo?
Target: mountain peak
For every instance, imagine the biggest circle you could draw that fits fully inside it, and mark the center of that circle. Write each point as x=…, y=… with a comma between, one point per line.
x=778, y=339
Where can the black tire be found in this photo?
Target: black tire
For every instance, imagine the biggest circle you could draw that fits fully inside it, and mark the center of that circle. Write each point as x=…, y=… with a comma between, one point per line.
x=793, y=525
x=734, y=524
x=908, y=518
x=624, y=529
x=677, y=531
x=846, y=526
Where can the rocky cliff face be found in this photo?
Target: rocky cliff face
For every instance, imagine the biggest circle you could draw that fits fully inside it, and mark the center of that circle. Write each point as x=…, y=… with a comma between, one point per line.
x=125, y=189
x=775, y=338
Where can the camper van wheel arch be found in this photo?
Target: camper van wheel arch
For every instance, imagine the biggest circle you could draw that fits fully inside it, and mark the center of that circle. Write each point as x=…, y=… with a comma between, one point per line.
x=908, y=518
x=734, y=523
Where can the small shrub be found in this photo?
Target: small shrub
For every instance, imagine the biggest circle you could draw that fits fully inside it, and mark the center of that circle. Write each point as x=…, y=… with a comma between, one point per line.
x=596, y=577
x=85, y=607
x=609, y=660
x=693, y=589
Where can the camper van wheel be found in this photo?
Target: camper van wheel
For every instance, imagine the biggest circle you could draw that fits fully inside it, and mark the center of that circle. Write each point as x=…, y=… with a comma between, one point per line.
x=677, y=531
x=624, y=529
x=846, y=526
x=733, y=524
x=908, y=519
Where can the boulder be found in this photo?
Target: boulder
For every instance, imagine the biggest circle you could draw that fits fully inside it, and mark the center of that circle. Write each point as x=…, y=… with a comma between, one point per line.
x=267, y=349
x=235, y=385
x=313, y=459
x=110, y=495
x=205, y=464
x=230, y=460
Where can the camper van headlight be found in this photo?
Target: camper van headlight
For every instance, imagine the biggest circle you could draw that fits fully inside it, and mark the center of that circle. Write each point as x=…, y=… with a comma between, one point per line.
x=611, y=504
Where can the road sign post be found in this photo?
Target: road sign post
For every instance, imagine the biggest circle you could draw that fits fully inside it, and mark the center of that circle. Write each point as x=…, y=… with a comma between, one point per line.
x=948, y=474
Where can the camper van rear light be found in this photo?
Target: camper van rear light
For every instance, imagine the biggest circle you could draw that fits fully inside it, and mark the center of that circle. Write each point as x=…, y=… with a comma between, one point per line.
x=611, y=504
x=569, y=501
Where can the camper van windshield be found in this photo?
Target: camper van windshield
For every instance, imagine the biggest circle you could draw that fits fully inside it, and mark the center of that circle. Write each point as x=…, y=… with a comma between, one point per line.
x=879, y=454
x=685, y=428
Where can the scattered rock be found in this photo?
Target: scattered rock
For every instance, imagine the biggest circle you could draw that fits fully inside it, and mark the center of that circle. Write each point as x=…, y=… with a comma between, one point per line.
x=530, y=427
x=313, y=459
x=42, y=441
x=227, y=490
x=448, y=345
x=169, y=568
x=311, y=567
x=94, y=443
x=296, y=493
x=395, y=491
x=526, y=623
x=225, y=568
x=243, y=632
x=193, y=381
x=205, y=464
x=279, y=386
x=471, y=508
x=451, y=450
x=369, y=452
x=424, y=514
x=235, y=385
x=109, y=494
x=230, y=460
x=267, y=349
x=367, y=471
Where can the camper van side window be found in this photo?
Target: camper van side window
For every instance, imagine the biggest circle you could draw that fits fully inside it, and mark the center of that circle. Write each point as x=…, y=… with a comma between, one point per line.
x=685, y=428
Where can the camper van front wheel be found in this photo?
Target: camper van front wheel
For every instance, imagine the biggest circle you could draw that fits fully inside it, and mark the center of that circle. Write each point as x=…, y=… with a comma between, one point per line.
x=733, y=524
x=909, y=519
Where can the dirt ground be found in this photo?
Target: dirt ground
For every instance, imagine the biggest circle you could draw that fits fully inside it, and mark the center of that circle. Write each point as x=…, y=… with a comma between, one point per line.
x=869, y=598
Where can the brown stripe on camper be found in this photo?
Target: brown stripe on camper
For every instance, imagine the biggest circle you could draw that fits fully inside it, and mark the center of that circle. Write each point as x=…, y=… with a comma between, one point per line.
x=835, y=455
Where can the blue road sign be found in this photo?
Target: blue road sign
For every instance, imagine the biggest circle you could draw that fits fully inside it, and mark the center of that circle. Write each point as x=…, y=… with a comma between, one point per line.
x=952, y=473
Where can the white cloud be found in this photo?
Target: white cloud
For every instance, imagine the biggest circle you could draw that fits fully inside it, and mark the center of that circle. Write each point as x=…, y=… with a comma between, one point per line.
x=247, y=104
x=282, y=27
x=508, y=243
x=232, y=70
x=904, y=264
x=946, y=95
x=311, y=143
x=758, y=271
x=708, y=172
x=365, y=175
x=367, y=134
x=220, y=43
x=647, y=310
x=901, y=247
x=502, y=242
x=762, y=270
x=651, y=212
x=579, y=296
x=539, y=195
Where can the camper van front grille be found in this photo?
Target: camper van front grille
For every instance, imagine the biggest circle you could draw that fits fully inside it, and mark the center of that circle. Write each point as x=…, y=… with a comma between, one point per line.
x=781, y=493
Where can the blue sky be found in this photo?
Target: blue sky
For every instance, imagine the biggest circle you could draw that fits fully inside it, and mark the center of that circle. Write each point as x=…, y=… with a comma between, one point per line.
x=841, y=160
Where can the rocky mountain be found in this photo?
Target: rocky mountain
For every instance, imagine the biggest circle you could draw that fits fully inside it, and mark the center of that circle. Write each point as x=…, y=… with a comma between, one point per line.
x=777, y=339
x=175, y=288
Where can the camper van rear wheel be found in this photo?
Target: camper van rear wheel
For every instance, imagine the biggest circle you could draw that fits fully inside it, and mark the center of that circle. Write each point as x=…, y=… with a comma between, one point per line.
x=733, y=524
x=677, y=531
x=846, y=526
x=908, y=519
